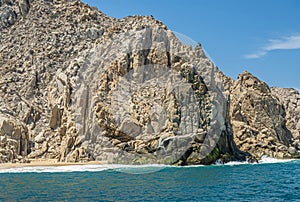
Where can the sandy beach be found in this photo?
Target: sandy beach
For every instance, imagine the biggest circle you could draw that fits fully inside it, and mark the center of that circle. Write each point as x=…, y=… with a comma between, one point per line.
x=48, y=162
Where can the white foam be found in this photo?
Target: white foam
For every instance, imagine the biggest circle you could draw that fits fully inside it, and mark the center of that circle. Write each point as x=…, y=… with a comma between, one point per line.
x=264, y=160
x=235, y=163
x=267, y=160
x=42, y=169
x=134, y=169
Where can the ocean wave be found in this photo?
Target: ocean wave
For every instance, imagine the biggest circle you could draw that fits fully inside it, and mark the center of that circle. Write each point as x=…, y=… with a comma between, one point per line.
x=264, y=160
x=131, y=169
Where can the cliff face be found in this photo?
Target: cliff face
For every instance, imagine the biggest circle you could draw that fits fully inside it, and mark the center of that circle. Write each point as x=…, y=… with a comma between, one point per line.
x=34, y=48
x=263, y=120
x=77, y=85
x=290, y=99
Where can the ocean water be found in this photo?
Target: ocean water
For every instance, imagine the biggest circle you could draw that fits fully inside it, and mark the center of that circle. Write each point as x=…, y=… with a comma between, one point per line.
x=268, y=181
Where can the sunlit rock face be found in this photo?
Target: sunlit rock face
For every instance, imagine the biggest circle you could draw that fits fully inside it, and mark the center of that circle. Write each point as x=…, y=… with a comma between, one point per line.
x=148, y=98
x=290, y=99
x=11, y=11
x=78, y=86
x=259, y=119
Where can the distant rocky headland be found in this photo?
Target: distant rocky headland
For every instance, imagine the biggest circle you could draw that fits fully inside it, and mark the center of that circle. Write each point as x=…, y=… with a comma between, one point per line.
x=79, y=86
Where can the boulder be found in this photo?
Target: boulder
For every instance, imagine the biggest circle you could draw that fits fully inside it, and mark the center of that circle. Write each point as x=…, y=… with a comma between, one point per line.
x=14, y=138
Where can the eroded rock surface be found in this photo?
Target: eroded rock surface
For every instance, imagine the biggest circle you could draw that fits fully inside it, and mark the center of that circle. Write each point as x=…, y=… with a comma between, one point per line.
x=14, y=140
x=36, y=46
x=11, y=11
x=290, y=99
x=153, y=100
x=88, y=87
x=259, y=120
x=77, y=85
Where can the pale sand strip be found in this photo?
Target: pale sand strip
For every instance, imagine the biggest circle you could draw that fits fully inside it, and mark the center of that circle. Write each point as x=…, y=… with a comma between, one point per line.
x=48, y=162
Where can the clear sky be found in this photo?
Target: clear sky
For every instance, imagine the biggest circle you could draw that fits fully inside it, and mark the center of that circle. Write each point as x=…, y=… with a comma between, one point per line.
x=260, y=36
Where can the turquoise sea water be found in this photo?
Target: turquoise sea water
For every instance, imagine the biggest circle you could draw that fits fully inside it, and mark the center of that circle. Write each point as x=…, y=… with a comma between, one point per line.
x=256, y=182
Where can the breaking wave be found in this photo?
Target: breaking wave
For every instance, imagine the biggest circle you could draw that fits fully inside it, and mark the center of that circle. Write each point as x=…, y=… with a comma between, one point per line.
x=130, y=169
x=264, y=160
x=133, y=169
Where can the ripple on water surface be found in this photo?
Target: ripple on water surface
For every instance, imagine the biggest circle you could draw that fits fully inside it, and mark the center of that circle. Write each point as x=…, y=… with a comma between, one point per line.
x=260, y=182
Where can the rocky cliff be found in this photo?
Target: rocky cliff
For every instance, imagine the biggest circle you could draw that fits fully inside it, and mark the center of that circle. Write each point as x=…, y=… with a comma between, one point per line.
x=262, y=118
x=35, y=46
x=290, y=100
x=77, y=85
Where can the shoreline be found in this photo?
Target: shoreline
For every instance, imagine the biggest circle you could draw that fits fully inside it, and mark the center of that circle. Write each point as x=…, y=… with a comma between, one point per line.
x=55, y=163
x=48, y=163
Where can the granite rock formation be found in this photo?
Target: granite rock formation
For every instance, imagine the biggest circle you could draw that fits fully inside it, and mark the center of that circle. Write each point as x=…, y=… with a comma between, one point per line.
x=77, y=85
x=263, y=125
x=35, y=47
x=12, y=11
x=290, y=99
x=14, y=145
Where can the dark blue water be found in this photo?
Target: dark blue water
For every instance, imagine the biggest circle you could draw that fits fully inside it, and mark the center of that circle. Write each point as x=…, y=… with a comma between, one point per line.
x=261, y=182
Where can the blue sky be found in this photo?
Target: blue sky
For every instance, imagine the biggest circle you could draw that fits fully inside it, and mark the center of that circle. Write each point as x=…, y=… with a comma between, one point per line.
x=260, y=36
